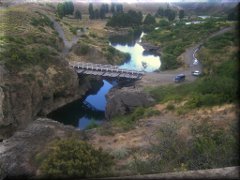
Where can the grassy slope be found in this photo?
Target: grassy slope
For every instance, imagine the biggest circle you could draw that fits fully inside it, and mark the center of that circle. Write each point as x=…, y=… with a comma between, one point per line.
x=28, y=38
x=173, y=40
x=219, y=83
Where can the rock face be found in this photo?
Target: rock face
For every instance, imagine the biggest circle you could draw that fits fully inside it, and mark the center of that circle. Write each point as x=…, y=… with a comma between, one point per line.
x=124, y=100
x=27, y=95
x=17, y=153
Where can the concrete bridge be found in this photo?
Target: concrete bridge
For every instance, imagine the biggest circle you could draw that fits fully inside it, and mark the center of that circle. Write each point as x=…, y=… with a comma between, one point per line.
x=106, y=70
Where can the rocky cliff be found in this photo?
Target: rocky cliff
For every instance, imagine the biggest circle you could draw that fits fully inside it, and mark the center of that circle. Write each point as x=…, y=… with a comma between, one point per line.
x=24, y=96
x=124, y=100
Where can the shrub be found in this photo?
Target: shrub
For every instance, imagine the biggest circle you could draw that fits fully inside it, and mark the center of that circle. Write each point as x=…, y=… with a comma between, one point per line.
x=82, y=49
x=212, y=148
x=151, y=112
x=208, y=147
x=72, y=158
x=170, y=107
x=121, y=153
x=43, y=20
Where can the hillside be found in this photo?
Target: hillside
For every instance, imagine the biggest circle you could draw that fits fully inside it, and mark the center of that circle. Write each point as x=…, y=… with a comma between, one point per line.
x=152, y=126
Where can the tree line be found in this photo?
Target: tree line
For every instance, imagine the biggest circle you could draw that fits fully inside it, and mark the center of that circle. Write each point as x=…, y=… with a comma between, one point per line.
x=119, y=18
x=104, y=9
x=65, y=8
x=169, y=14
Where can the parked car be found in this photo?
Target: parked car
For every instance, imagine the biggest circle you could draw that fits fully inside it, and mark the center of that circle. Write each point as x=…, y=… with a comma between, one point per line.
x=179, y=78
x=195, y=62
x=196, y=73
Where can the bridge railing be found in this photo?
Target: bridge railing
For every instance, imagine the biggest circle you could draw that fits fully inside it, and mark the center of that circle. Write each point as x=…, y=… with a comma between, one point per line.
x=81, y=67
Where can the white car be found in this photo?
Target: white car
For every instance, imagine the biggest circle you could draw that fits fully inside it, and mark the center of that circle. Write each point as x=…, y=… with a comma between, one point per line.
x=195, y=62
x=196, y=73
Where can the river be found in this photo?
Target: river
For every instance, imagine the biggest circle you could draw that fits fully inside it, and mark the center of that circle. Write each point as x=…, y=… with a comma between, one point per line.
x=91, y=110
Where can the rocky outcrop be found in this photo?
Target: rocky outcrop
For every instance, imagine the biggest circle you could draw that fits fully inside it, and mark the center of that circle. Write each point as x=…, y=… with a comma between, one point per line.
x=124, y=100
x=36, y=92
x=149, y=46
x=17, y=154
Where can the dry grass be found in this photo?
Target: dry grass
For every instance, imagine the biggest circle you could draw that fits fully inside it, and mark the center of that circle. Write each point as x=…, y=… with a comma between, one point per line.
x=138, y=140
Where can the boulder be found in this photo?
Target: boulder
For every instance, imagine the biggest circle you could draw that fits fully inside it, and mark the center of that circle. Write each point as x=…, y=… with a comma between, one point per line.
x=18, y=153
x=124, y=100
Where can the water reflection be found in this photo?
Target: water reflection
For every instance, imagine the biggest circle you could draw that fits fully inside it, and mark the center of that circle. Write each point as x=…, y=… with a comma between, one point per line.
x=82, y=113
x=128, y=40
x=73, y=113
x=98, y=100
x=139, y=60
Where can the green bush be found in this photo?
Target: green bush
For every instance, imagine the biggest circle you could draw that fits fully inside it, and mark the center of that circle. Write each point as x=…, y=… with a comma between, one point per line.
x=170, y=107
x=72, y=158
x=209, y=147
x=212, y=148
x=43, y=20
x=120, y=154
x=83, y=49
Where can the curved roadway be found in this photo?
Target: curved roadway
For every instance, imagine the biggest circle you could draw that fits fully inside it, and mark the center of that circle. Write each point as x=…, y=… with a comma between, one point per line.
x=67, y=44
x=167, y=77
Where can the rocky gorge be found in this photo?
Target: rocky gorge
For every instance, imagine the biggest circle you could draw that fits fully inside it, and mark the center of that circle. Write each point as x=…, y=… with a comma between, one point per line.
x=22, y=101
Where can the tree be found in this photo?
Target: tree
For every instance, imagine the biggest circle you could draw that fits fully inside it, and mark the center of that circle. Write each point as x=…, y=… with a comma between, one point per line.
x=119, y=8
x=160, y=12
x=233, y=14
x=91, y=11
x=132, y=18
x=102, y=11
x=113, y=7
x=78, y=14
x=60, y=10
x=68, y=7
x=170, y=14
x=181, y=14
x=65, y=9
x=106, y=8
x=96, y=14
x=149, y=20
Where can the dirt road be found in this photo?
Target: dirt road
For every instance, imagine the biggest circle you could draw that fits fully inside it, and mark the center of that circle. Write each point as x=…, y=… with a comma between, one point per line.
x=167, y=77
x=67, y=44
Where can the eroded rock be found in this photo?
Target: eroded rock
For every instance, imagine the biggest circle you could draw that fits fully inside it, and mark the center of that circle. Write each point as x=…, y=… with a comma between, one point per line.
x=124, y=100
x=17, y=153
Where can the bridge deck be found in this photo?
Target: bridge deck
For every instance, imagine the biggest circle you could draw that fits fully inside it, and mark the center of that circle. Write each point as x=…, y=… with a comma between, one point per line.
x=105, y=70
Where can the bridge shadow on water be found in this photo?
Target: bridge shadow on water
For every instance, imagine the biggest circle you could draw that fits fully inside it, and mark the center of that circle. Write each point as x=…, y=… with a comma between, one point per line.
x=91, y=108
x=73, y=113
